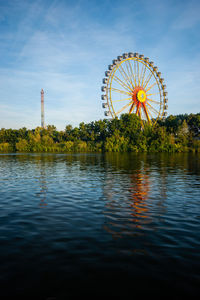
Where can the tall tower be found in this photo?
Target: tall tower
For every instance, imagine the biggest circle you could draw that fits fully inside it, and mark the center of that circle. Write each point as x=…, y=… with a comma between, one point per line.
x=42, y=108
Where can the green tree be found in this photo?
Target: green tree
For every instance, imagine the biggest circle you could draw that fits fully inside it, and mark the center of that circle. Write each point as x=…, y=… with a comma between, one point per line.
x=116, y=142
x=194, y=123
x=183, y=133
x=22, y=145
x=6, y=147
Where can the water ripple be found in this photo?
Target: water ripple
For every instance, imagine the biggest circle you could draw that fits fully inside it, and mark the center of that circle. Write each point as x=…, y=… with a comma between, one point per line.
x=89, y=218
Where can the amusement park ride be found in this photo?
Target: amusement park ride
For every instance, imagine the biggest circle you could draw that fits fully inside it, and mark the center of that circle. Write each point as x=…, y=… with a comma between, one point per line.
x=134, y=85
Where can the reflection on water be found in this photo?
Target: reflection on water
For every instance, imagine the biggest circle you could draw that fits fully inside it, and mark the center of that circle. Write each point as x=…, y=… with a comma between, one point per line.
x=127, y=197
x=43, y=186
x=139, y=195
x=126, y=217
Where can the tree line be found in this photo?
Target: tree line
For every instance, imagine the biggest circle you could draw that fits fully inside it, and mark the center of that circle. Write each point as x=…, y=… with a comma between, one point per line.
x=179, y=133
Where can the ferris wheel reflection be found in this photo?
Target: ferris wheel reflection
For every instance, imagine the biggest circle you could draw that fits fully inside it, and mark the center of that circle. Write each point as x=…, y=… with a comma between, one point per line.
x=139, y=191
x=127, y=210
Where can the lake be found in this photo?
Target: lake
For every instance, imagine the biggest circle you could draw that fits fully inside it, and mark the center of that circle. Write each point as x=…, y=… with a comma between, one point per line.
x=99, y=224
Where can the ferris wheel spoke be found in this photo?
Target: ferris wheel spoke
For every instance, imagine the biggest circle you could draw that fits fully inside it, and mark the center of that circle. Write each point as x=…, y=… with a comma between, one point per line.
x=141, y=116
x=125, y=78
x=142, y=121
x=124, y=75
x=138, y=70
x=151, y=86
x=132, y=108
x=139, y=112
x=125, y=99
x=154, y=101
x=142, y=113
x=148, y=79
x=126, y=87
x=153, y=94
x=154, y=111
x=145, y=117
x=120, y=91
x=135, y=70
x=138, y=73
x=129, y=74
x=123, y=108
x=143, y=76
x=146, y=113
x=133, y=76
x=152, y=108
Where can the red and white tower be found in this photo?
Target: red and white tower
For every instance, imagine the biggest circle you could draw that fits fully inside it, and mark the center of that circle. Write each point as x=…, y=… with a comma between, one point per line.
x=42, y=108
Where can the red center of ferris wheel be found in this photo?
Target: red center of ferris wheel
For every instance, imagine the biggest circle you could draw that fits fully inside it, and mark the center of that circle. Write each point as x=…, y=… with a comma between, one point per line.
x=139, y=100
x=138, y=95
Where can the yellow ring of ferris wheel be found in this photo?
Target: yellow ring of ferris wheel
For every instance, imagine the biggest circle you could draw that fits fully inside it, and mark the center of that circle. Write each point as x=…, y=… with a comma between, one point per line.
x=141, y=96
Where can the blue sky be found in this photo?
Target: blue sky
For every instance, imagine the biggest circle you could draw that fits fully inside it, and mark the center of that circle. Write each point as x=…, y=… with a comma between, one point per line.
x=65, y=47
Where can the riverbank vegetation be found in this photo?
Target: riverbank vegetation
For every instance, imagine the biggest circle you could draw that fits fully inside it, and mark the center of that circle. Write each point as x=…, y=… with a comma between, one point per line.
x=179, y=133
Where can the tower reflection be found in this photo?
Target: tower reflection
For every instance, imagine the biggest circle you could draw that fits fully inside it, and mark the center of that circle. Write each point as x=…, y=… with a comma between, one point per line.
x=42, y=194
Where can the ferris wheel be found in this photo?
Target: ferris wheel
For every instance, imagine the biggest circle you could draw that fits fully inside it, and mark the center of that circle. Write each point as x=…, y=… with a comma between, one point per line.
x=134, y=85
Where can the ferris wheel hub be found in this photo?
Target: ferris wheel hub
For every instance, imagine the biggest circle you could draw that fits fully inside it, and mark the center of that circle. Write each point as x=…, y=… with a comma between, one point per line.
x=141, y=96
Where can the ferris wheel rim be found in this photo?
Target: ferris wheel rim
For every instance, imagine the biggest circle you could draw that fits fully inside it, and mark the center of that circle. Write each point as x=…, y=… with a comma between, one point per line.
x=130, y=85
x=118, y=65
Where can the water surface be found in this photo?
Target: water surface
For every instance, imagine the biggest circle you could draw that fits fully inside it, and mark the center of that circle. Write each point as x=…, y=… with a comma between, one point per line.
x=106, y=224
